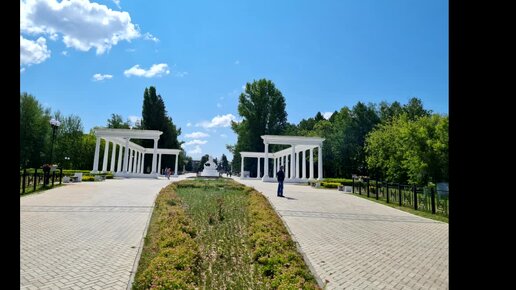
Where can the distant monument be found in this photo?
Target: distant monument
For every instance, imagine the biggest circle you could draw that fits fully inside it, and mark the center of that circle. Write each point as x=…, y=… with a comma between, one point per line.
x=210, y=169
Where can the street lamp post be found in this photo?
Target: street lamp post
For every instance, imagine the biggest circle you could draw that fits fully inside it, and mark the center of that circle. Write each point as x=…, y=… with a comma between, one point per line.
x=55, y=124
x=67, y=162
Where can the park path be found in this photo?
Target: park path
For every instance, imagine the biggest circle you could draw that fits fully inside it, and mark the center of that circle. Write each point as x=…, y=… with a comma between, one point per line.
x=355, y=243
x=85, y=235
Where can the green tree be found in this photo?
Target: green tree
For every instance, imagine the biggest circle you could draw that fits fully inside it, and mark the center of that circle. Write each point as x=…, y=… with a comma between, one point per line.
x=116, y=122
x=414, y=151
x=224, y=163
x=68, y=142
x=414, y=109
x=155, y=117
x=34, y=132
x=262, y=108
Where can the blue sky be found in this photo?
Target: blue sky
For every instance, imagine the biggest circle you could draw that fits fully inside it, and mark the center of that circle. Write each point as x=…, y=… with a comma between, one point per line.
x=93, y=59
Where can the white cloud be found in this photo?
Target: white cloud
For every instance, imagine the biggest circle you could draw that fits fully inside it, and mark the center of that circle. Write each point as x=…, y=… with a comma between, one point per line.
x=100, y=77
x=197, y=135
x=148, y=36
x=218, y=121
x=33, y=52
x=130, y=49
x=196, y=150
x=219, y=105
x=188, y=124
x=22, y=69
x=82, y=24
x=64, y=52
x=194, y=142
x=327, y=115
x=134, y=120
x=243, y=87
x=155, y=70
x=237, y=61
x=223, y=135
x=117, y=2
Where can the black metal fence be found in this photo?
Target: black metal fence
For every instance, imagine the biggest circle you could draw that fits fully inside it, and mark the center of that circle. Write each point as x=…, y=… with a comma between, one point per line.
x=33, y=181
x=422, y=198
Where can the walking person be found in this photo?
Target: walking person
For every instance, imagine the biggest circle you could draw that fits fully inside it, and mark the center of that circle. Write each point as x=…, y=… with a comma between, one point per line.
x=280, y=175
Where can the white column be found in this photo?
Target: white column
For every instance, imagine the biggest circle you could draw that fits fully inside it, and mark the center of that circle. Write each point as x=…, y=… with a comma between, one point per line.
x=105, y=159
x=113, y=152
x=266, y=161
x=274, y=171
x=320, y=175
x=242, y=166
x=304, y=165
x=159, y=162
x=119, y=165
x=96, y=158
x=258, y=169
x=287, y=168
x=126, y=155
x=154, y=153
x=175, y=165
x=137, y=163
x=142, y=162
x=311, y=163
x=297, y=165
x=293, y=162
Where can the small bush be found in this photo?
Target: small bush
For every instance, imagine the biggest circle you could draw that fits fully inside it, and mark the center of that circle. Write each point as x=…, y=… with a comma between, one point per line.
x=88, y=178
x=330, y=184
x=340, y=181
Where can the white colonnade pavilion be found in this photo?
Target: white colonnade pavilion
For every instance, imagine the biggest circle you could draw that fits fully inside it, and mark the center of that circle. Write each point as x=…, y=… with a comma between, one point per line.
x=130, y=155
x=288, y=158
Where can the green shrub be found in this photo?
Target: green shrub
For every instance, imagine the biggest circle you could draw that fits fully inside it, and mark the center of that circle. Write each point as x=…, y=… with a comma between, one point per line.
x=330, y=184
x=274, y=252
x=340, y=181
x=170, y=253
x=88, y=178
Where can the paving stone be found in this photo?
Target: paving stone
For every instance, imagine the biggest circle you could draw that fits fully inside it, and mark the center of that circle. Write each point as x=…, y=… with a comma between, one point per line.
x=363, y=244
x=80, y=235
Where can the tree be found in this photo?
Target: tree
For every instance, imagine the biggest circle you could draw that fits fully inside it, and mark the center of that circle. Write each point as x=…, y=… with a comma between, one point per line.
x=69, y=142
x=154, y=117
x=34, y=132
x=414, y=151
x=414, y=109
x=116, y=122
x=224, y=163
x=262, y=108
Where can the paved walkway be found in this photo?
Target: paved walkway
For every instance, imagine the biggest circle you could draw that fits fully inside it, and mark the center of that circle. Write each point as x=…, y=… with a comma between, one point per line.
x=85, y=235
x=358, y=244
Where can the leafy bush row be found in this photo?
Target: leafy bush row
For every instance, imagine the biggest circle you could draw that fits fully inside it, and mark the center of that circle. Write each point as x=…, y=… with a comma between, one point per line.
x=170, y=254
x=274, y=252
x=340, y=181
x=330, y=184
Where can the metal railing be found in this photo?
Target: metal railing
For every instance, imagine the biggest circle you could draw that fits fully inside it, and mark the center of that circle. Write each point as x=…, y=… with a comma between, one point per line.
x=30, y=182
x=417, y=197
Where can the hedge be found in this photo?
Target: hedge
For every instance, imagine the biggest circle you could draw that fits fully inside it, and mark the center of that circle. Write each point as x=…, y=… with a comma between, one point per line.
x=340, y=181
x=273, y=250
x=170, y=252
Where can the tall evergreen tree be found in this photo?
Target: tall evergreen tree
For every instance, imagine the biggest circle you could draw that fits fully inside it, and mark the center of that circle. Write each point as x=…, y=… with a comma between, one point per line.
x=155, y=117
